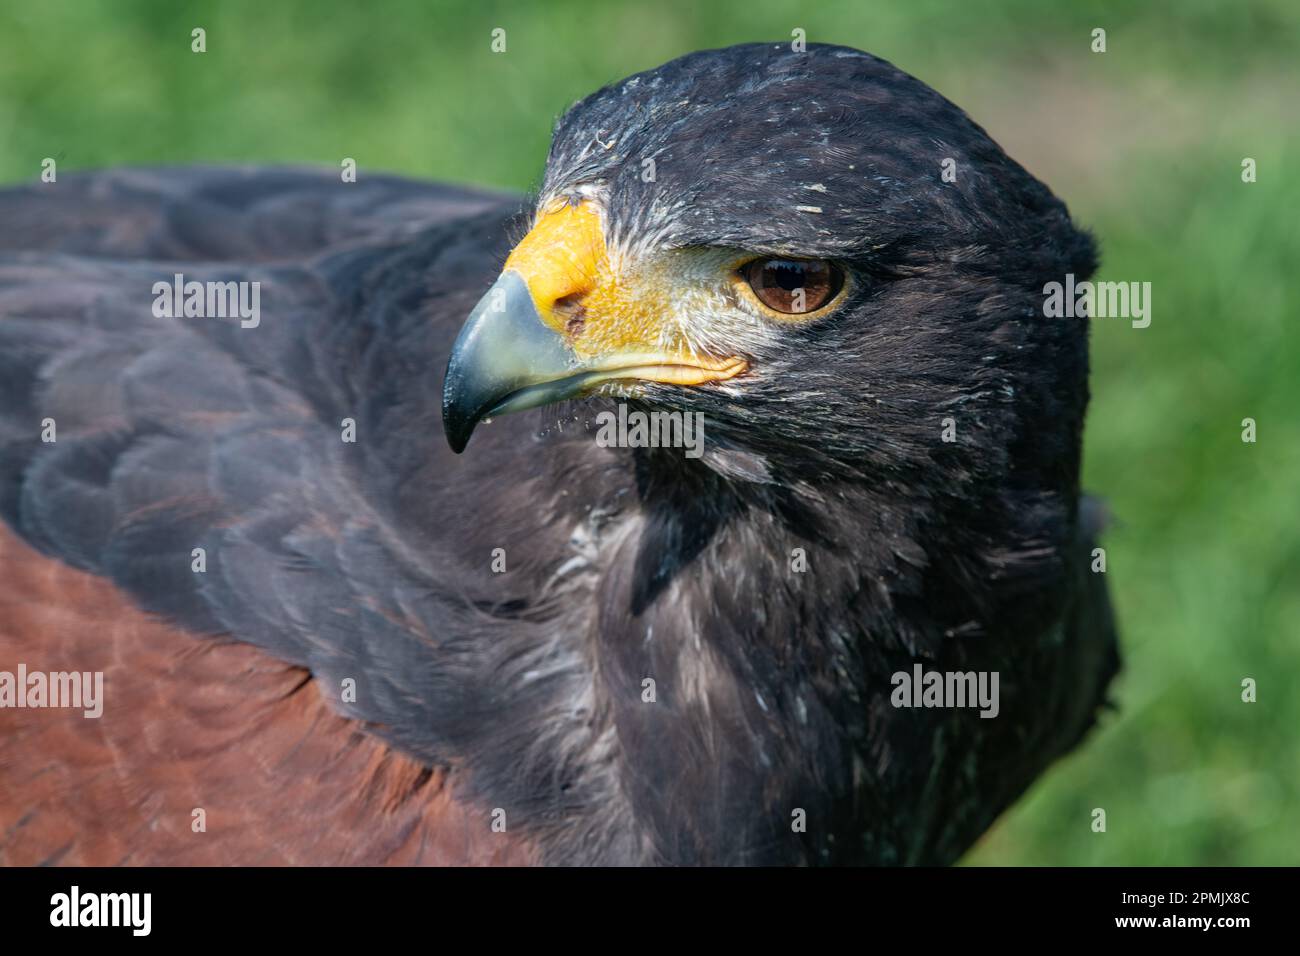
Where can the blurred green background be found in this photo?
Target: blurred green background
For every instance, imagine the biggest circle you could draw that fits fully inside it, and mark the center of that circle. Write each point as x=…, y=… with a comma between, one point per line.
x=1145, y=144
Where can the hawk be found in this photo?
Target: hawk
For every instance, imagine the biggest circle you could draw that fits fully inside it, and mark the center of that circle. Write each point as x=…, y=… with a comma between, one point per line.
x=328, y=635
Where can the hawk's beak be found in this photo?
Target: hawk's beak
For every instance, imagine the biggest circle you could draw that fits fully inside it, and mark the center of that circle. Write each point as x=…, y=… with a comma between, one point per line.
x=556, y=326
x=504, y=360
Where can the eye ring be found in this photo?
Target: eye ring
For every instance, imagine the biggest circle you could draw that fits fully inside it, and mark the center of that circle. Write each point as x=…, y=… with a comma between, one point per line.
x=790, y=287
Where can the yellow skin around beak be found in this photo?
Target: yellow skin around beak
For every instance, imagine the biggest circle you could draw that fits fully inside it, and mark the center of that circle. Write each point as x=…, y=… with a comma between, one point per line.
x=565, y=318
x=608, y=322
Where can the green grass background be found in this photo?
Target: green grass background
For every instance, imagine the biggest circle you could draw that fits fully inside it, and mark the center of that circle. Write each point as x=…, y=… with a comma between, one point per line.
x=1144, y=142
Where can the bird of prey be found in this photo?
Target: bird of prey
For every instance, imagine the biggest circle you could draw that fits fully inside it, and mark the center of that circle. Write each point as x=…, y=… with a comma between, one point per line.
x=328, y=634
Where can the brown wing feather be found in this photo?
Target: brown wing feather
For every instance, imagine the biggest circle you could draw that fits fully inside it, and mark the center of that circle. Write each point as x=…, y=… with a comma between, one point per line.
x=191, y=723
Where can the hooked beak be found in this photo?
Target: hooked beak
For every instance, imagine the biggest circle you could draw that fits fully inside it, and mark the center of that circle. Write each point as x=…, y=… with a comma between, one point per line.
x=514, y=353
x=504, y=360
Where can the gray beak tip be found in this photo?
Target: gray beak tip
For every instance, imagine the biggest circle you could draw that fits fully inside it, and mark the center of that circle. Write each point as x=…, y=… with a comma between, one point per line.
x=503, y=349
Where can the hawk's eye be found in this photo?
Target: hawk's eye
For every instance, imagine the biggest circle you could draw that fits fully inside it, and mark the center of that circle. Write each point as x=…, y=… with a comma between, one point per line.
x=793, y=286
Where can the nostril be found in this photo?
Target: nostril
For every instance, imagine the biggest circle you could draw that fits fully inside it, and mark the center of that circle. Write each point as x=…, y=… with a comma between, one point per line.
x=570, y=303
x=573, y=310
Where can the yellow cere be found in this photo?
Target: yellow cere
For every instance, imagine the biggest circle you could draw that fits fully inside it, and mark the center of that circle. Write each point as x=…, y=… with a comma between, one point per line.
x=566, y=265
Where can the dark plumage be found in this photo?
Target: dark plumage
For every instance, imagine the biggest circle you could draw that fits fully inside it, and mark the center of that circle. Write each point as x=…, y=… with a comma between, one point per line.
x=373, y=560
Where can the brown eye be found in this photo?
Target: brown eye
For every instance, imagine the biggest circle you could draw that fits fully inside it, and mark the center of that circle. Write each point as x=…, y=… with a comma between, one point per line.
x=793, y=286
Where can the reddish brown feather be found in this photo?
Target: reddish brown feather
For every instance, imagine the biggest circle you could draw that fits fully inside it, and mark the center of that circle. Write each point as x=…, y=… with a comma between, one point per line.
x=190, y=723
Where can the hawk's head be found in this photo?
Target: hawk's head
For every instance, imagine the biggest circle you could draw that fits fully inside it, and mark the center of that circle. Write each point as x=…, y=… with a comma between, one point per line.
x=815, y=250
